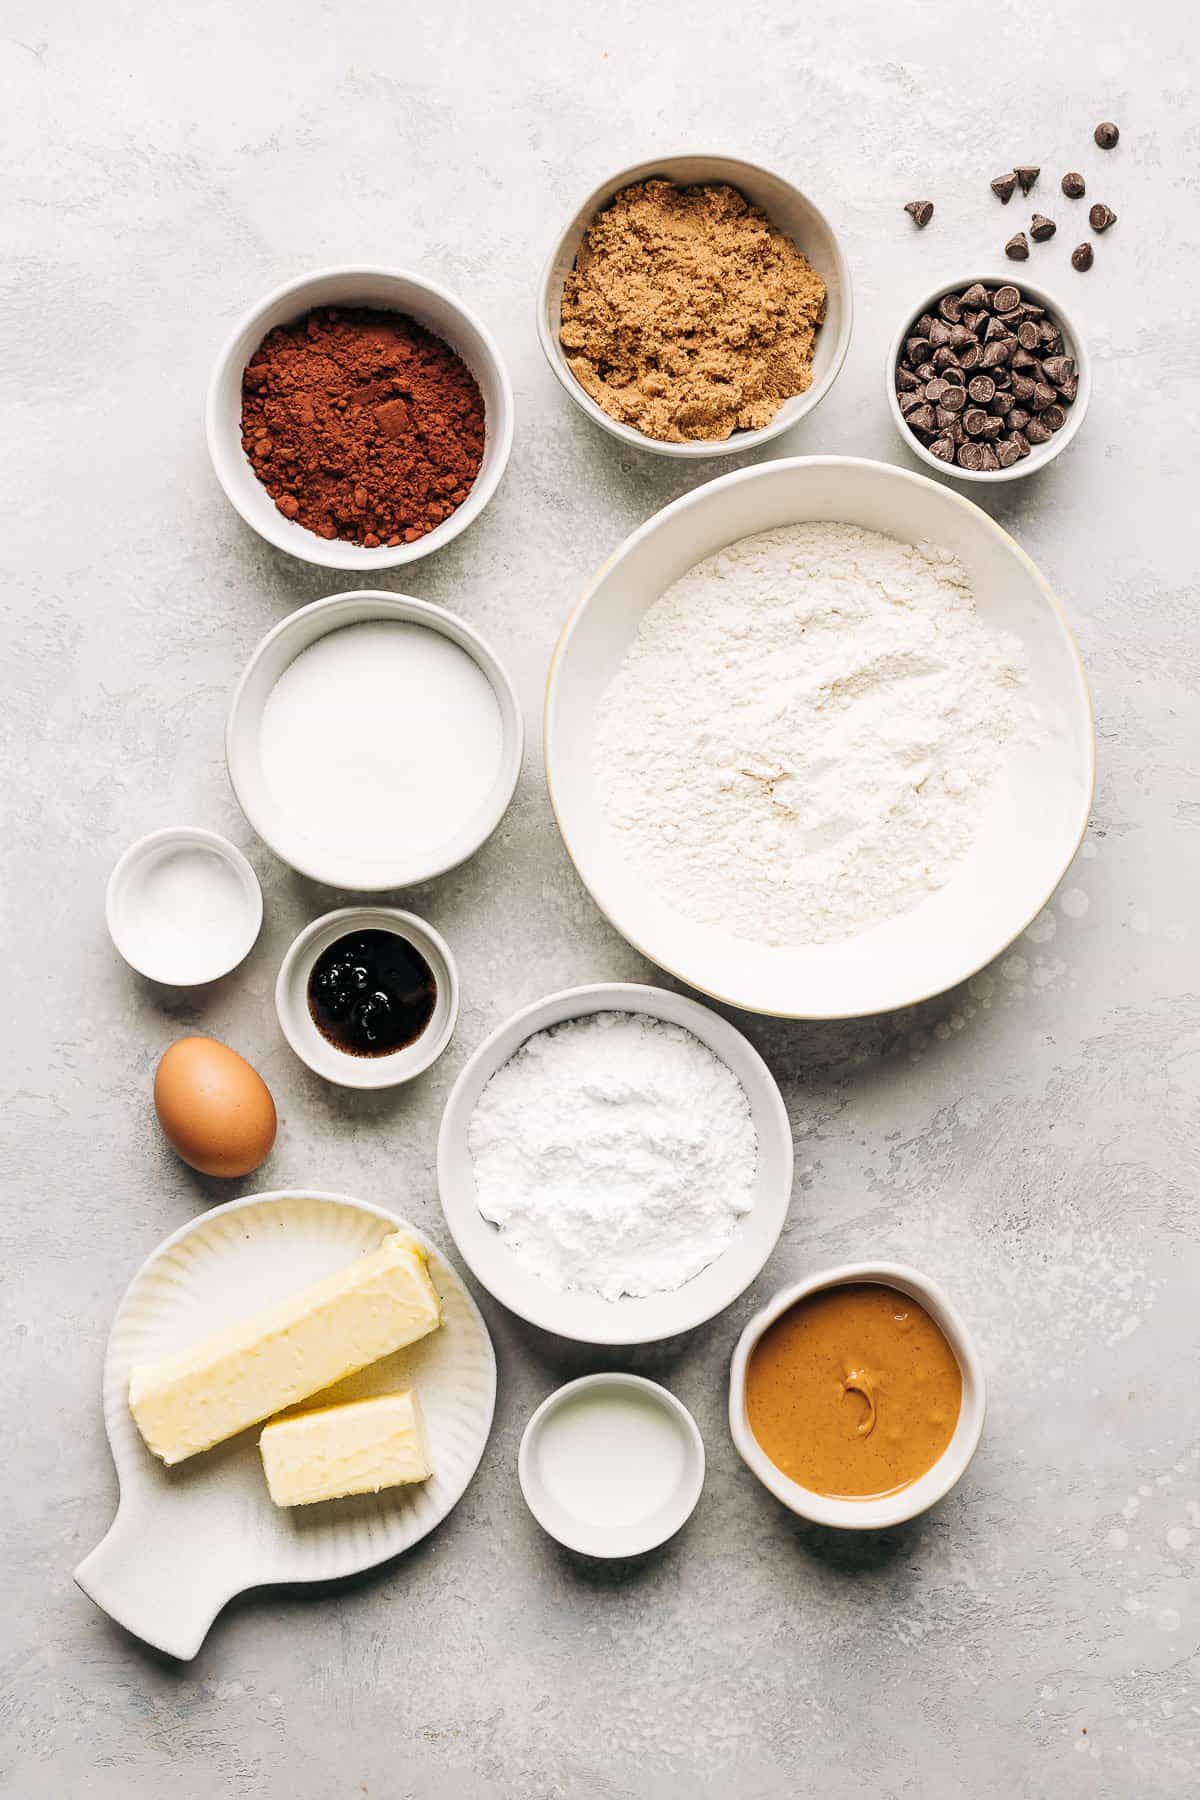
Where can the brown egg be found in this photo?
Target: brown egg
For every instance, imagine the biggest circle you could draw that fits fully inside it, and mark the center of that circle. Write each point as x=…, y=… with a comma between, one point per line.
x=215, y=1110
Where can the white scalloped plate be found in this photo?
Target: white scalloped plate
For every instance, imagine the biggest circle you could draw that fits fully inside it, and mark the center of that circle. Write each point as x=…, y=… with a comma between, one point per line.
x=186, y=1540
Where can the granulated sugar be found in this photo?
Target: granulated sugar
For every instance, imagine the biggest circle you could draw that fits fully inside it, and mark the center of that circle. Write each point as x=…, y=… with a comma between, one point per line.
x=802, y=738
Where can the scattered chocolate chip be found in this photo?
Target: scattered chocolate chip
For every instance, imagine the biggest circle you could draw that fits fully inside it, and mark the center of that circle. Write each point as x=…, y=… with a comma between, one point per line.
x=1026, y=176
x=1081, y=257
x=1004, y=187
x=1007, y=298
x=943, y=449
x=1074, y=186
x=982, y=389
x=970, y=456
x=1041, y=228
x=920, y=211
x=1106, y=135
x=1017, y=247
x=1101, y=217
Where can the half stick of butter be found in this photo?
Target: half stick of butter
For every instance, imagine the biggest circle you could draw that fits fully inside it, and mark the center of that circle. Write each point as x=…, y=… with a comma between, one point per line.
x=356, y=1448
x=283, y=1354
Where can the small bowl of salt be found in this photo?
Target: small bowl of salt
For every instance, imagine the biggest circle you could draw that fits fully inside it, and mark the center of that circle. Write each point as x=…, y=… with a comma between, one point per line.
x=183, y=906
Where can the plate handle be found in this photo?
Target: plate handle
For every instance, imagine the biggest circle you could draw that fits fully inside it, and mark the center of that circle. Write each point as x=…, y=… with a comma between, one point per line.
x=141, y=1575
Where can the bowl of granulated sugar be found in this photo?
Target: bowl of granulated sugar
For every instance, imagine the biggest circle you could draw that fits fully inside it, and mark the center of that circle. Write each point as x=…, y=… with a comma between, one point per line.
x=374, y=741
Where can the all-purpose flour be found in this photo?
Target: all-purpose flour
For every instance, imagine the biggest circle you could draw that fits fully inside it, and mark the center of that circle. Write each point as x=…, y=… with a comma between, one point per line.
x=615, y=1153
x=801, y=738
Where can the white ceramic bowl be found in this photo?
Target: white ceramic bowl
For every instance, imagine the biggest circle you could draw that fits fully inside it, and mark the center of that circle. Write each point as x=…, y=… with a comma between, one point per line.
x=893, y=1509
x=612, y=1539
x=185, y=1540
x=586, y=1317
x=387, y=290
x=364, y=873
x=201, y=949
x=1073, y=345
x=296, y=1021
x=1039, y=805
x=787, y=208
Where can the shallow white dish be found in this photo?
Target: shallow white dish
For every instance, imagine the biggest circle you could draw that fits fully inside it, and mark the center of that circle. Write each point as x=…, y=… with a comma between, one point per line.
x=204, y=952
x=893, y=1509
x=1038, y=810
x=631, y=1538
x=186, y=1539
x=1074, y=345
x=787, y=208
x=296, y=1021
x=366, y=872
x=586, y=1317
x=388, y=290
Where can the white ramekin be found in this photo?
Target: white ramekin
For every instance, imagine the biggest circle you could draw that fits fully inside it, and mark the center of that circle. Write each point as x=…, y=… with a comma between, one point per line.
x=787, y=208
x=388, y=290
x=1073, y=345
x=202, y=960
x=935, y=1484
x=300, y=1029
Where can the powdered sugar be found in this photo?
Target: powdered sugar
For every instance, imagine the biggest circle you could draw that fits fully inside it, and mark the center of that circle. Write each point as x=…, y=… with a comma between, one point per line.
x=616, y=1153
x=801, y=739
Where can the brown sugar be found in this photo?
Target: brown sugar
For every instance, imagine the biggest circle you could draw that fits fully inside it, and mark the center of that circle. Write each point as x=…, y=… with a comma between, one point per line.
x=362, y=425
x=688, y=314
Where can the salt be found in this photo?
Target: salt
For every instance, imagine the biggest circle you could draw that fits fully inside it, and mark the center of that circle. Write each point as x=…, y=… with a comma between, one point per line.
x=381, y=738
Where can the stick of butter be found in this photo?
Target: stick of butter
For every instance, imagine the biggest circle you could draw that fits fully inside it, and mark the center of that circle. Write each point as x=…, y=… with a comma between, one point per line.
x=356, y=1448
x=288, y=1351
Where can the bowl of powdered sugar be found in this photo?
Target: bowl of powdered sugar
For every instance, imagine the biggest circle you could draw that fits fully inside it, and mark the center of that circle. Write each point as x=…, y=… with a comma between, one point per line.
x=818, y=739
x=615, y=1163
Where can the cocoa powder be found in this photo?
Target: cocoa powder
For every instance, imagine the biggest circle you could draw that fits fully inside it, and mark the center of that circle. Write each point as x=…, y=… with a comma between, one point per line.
x=362, y=425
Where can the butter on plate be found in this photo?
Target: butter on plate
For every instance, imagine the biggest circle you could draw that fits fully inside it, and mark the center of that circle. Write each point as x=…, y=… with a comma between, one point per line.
x=286, y=1352
x=356, y=1448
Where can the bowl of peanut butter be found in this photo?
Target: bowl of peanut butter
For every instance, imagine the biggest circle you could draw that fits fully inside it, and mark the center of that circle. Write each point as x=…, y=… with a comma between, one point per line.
x=856, y=1396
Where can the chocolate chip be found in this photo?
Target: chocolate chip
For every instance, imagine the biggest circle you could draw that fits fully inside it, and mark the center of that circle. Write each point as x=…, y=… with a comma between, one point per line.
x=1017, y=247
x=923, y=326
x=1027, y=310
x=943, y=360
x=988, y=459
x=1106, y=135
x=1027, y=334
x=975, y=296
x=946, y=421
x=982, y=389
x=939, y=333
x=908, y=402
x=1054, y=417
x=992, y=428
x=1002, y=403
x=1068, y=389
x=1081, y=257
x=934, y=390
x=926, y=371
x=950, y=307
x=1043, y=396
x=1058, y=369
x=1021, y=441
x=974, y=420
x=961, y=335
x=922, y=417
x=1021, y=358
x=920, y=212
x=1026, y=175
x=1101, y=217
x=906, y=381
x=1041, y=228
x=1050, y=338
x=1008, y=451
x=975, y=320
x=997, y=354
x=1004, y=187
x=1022, y=387
x=1018, y=419
x=995, y=328
x=917, y=349
x=954, y=399
x=1006, y=299
x=1038, y=432
x=1074, y=186
x=943, y=449
x=969, y=356
x=970, y=456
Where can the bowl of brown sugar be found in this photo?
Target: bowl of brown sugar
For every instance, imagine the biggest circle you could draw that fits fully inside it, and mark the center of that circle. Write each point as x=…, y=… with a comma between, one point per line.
x=696, y=306
x=857, y=1397
x=359, y=418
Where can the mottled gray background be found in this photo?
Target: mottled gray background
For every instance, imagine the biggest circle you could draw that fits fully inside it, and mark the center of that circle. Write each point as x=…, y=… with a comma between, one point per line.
x=1028, y=1140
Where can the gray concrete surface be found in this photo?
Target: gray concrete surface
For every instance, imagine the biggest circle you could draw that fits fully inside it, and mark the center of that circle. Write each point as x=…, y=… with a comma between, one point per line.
x=1029, y=1140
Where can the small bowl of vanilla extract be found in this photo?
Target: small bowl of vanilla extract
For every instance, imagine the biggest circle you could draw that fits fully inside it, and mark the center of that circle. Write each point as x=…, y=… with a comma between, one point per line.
x=368, y=996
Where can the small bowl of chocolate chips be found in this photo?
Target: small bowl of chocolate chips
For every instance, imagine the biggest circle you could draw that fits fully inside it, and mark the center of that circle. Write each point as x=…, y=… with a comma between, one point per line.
x=988, y=379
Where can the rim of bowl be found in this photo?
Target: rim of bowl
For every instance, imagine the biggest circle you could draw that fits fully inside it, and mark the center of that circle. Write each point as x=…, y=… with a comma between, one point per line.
x=404, y=608
x=759, y=471
x=370, y=1072
x=183, y=834
x=299, y=541
x=664, y=1398
x=868, y=1514
x=1041, y=454
x=616, y=996
x=698, y=448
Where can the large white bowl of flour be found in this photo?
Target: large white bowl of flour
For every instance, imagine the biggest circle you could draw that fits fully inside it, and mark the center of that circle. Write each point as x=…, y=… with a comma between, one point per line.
x=818, y=739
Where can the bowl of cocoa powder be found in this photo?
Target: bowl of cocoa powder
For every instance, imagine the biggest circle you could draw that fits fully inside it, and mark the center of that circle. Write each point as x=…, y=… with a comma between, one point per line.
x=359, y=418
x=696, y=306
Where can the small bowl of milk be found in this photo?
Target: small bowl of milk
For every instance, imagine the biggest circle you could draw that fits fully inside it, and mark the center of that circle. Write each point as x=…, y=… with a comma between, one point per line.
x=611, y=1465
x=183, y=906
